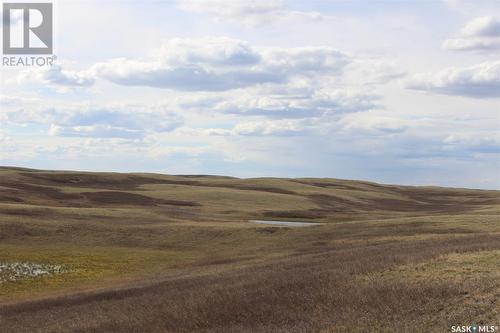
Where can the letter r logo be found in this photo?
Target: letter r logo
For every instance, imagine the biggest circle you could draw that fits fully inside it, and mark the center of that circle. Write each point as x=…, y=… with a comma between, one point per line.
x=27, y=28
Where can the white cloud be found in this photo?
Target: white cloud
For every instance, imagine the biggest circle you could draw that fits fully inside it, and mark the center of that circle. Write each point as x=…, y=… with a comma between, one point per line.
x=218, y=64
x=204, y=64
x=376, y=124
x=56, y=75
x=478, y=81
x=183, y=150
x=303, y=60
x=112, y=121
x=209, y=63
x=373, y=70
x=318, y=103
x=208, y=50
x=122, y=122
x=95, y=131
x=480, y=34
x=300, y=108
x=488, y=142
x=248, y=12
x=11, y=101
x=189, y=77
x=472, y=44
x=265, y=128
x=486, y=26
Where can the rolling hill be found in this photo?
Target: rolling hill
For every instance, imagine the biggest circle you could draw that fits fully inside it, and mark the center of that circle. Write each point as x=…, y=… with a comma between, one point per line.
x=159, y=253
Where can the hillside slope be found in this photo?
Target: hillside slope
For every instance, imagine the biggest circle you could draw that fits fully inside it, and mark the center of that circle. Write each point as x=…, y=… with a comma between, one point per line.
x=207, y=198
x=158, y=253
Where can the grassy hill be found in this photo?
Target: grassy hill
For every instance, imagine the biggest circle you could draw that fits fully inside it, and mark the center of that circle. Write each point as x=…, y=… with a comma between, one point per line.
x=158, y=253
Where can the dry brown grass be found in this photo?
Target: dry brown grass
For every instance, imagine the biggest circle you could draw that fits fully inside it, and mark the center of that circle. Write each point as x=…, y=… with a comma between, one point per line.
x=388, y=271
x=308, y=291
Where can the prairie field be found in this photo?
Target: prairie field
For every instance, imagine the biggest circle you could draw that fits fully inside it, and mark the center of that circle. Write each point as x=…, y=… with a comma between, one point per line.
x=110, y=252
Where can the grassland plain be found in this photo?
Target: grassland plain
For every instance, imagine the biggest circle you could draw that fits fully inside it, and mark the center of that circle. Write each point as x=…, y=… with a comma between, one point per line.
x=158, y=253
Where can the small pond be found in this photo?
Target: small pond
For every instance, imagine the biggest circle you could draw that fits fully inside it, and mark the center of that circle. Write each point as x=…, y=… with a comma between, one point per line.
x=287, y=223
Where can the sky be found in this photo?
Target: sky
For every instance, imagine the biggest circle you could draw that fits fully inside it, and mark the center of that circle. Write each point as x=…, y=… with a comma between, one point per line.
x=400, y=92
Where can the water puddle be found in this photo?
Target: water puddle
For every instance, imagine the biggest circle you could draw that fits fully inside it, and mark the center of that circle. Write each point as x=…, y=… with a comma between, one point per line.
x=287, y=223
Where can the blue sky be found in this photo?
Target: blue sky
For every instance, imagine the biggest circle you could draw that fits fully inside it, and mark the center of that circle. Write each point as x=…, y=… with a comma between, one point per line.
x=391, y=91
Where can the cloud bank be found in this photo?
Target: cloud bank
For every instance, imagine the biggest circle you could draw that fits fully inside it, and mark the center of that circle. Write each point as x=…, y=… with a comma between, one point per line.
x=478, y=81
x=481, y=34
x=251, y=12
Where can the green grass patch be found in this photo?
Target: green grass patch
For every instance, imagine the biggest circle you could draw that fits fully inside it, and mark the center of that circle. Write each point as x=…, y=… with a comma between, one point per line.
x=84, y=266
